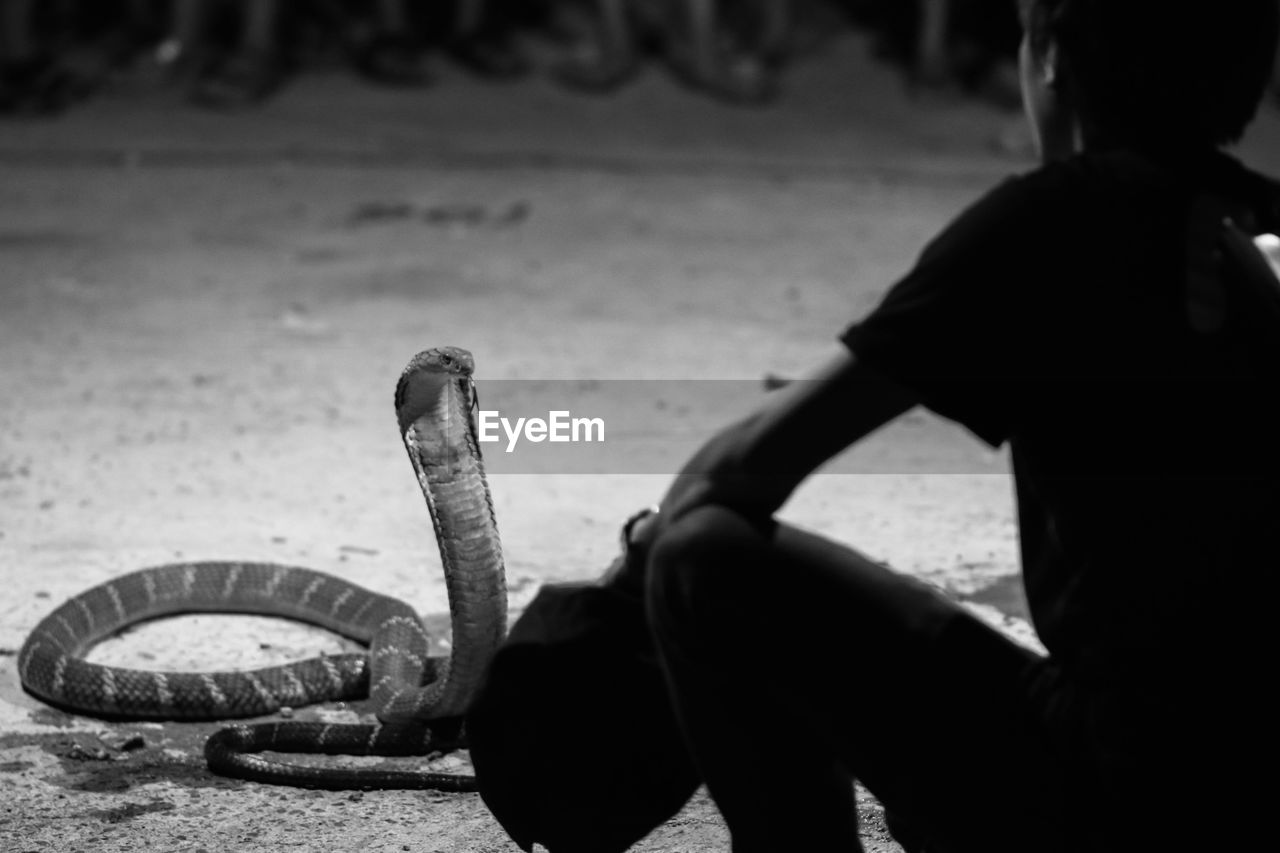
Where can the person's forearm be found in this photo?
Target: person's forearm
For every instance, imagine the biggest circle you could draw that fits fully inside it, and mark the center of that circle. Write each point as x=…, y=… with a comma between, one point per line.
x=811, y=420
x=756, y=463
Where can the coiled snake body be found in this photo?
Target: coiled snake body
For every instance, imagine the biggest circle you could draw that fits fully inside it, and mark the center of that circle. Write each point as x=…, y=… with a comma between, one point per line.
x=417, y=699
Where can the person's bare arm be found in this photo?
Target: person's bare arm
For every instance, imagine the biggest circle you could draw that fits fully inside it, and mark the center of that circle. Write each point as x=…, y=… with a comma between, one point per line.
x=755, y=464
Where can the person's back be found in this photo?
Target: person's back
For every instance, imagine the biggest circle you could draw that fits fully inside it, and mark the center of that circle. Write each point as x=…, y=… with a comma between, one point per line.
x=1072, y=306
x=1087, y=315
x=1144, y=442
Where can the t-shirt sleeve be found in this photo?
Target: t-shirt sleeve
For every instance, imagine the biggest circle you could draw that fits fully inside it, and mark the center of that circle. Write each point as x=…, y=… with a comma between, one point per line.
x=960, y=328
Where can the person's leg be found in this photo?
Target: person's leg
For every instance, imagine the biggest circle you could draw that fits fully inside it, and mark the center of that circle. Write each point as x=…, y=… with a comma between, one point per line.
x=254, y=69
x=141, y=11
x=32, y=79
x=183, y=53
x=795, y=664
x=483, y=47
x=15, y=51
x=615, y=25
x=189, y=18
x=932, y=65
x=733, y=716
x=609, y=58
x=387, y=50
x=705, y=59
x=392, y=17
x=140, y=26
x=1275, y=77
x=776, y=20
x=703, y=35
x=469, y=16
x=259, y=26
x=17, y=33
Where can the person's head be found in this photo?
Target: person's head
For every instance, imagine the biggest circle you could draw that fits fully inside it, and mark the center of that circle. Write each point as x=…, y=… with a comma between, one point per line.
x=1153, y=74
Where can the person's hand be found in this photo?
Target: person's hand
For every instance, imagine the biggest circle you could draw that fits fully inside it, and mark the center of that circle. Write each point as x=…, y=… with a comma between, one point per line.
x=754, y=497
x=627, y=573
x=715, y=475
x=712, y=476
x=720, y=474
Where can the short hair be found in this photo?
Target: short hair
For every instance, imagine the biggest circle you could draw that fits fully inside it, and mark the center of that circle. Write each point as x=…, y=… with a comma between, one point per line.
x=1180, y=74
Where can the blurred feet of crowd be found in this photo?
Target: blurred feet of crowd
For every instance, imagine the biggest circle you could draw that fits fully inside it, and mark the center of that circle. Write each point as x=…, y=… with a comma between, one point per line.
x=234, y=54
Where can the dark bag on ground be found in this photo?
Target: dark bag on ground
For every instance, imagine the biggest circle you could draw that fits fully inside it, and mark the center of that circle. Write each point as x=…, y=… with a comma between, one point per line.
x=573, y=740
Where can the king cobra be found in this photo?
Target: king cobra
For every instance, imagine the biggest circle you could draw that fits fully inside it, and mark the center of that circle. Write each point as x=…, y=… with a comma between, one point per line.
x=418, y=699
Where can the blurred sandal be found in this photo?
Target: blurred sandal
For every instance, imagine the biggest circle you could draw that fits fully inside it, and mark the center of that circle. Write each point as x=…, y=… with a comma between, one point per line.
x=737, y=79
x=490, y=57
x=38, y=86
x=392, y=60
x=596, y=69
x=243, y=80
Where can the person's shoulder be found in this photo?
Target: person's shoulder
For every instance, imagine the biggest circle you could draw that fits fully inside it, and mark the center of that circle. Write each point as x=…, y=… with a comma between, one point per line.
x=1045, y=189
x=1120, y=173
x=1094, y=190
x=1091, y=175
x=1034, y=200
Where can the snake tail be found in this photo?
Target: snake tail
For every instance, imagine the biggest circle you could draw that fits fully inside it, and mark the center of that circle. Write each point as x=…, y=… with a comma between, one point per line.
x=234, y=752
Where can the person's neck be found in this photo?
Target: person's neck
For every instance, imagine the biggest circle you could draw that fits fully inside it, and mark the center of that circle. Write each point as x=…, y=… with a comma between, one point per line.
x=1158, y=148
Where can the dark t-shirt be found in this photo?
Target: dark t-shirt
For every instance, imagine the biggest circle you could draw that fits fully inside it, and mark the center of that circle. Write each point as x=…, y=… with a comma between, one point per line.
x=1053, y=315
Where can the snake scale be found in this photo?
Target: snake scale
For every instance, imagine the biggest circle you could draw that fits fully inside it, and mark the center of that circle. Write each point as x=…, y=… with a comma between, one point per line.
x=418, y=700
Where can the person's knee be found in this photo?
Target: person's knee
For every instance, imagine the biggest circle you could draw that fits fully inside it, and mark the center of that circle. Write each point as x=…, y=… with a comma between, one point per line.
x=693, y=572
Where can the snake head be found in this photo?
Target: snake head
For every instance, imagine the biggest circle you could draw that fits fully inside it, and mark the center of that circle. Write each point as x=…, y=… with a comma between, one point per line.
x=427, y=375
x=454, y=360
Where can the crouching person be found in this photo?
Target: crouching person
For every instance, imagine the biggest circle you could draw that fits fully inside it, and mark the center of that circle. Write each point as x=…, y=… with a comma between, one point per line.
x=1086, y=316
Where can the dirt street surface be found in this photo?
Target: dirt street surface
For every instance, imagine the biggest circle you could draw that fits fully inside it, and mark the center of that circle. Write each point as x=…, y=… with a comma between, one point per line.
x=202, y=319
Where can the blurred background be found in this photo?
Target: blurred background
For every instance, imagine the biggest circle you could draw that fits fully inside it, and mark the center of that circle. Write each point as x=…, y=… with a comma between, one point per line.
x=415, y=70
x=227, y=54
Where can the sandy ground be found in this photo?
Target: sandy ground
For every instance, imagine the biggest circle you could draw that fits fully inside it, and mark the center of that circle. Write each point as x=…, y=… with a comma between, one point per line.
x=202, y=318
